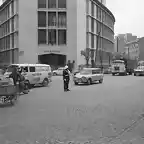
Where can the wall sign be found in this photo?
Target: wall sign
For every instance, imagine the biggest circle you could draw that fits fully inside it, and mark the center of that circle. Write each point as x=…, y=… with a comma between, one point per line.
x=52, y=51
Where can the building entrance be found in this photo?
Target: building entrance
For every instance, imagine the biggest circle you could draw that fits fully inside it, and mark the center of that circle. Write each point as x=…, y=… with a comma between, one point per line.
x=55, y=60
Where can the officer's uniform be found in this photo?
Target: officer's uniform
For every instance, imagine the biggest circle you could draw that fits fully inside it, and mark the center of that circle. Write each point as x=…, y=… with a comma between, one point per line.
x=66, y=78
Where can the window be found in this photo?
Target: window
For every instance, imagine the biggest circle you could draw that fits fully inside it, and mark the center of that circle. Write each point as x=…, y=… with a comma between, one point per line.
x=12, y=40
x=12, y=24
x=98, y=27
x=62, y=19
x=41, y=19
x=41, y=3
x=92, y=9
x=96, y=71
x=52, y=36
x=42, y=36
x=25, y=69
x=61, y=3
x=52, y=19
x=92, y=41
x=32, y=69
x=51, y=3
x=92, y=25
x=62, y=38
x=12, y=8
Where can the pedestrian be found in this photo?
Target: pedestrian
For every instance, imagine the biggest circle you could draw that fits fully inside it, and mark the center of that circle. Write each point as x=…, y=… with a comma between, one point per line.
x=14, y=75
x=66, y=78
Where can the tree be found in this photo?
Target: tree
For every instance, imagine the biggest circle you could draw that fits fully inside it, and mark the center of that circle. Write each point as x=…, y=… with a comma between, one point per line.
x=87, y=54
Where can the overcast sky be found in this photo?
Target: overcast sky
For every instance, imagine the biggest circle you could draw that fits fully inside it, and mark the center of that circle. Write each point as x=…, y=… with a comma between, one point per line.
x=129, y=16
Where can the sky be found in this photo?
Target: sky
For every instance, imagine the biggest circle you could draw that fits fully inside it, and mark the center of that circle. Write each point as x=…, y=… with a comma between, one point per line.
x=129, y=16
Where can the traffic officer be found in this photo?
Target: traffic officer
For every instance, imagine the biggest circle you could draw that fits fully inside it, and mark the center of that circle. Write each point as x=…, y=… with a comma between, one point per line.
x=66, y=78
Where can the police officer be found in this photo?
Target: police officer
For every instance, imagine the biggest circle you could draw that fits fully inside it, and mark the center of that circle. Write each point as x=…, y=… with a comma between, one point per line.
x=66, y=78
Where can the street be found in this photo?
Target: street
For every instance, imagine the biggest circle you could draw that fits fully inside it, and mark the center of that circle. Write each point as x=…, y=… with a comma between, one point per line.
x=97, y=112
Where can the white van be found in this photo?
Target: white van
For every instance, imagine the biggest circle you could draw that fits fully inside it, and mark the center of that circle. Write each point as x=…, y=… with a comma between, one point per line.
x=34, y=73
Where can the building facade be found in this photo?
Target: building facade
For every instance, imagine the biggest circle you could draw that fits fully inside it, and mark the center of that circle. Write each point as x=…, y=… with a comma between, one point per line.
x=122, y=39
x=135, y=49
x=54, y=31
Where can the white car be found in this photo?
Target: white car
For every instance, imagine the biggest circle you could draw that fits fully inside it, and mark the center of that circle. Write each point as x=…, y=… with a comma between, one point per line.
x=139, y=71
x=88, y=76
x=59, y=71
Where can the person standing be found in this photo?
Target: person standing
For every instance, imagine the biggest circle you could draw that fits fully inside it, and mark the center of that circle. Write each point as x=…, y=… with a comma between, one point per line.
x=66, y=78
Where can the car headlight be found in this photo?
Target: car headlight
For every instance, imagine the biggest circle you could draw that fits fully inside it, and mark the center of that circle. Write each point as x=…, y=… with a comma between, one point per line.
x=84, y=79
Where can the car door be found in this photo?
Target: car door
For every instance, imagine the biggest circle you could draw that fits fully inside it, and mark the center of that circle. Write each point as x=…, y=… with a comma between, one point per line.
x=94, y=75
x=34, y=76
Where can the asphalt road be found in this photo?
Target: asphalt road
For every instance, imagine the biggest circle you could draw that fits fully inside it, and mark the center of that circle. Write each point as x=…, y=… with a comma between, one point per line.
x=100, y=112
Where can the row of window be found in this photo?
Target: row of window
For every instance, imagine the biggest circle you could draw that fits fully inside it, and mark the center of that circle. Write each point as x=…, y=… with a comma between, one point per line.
x=52, y=37
x=52, y=4
x=10, y=10
x=96, y=12
x=96, y=27
x=10, y=56
x=51, y=19
x=9, y=42
x=10, y=26
x=94, y=41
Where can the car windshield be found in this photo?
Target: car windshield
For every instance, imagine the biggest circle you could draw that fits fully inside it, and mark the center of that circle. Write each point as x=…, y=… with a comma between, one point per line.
x=85, y=71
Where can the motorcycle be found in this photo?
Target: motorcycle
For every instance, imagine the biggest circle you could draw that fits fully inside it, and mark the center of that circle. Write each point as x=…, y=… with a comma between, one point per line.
x=23, y=87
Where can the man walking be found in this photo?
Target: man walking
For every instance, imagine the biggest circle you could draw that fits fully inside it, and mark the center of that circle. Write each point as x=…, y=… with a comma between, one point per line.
x=66, y=78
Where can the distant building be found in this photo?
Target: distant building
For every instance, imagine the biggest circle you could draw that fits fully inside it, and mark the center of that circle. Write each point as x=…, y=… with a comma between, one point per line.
x=121, y=40
x=135, y=49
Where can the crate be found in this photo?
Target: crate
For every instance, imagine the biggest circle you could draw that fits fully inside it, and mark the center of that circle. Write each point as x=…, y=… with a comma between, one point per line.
x=8, y=90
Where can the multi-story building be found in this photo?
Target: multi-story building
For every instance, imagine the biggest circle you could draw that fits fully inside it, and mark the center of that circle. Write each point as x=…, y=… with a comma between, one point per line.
x=54, y=31
x=122, y=39
x=135, y=49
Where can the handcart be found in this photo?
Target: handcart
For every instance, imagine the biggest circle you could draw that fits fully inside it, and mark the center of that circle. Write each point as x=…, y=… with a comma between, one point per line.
x=8, y=93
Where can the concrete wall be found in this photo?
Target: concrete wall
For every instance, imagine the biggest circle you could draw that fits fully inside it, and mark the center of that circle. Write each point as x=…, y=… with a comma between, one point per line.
x=28, y=31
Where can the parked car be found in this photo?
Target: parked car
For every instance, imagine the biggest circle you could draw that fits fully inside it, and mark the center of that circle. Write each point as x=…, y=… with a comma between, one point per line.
x=88, y=76
x=139, y=71
x=59, y=71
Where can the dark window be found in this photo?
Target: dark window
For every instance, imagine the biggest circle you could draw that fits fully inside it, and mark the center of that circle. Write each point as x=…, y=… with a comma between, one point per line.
x=92, y=41
x=52, y=19
x=12, y=40
x=62, y=19
x=92, y=9
x=42, y=36
x=98, y=27
x=32, y=69
x=62, y=37
x=92, y=24
x=51, y=3
x=41, y=19
x=12, y=24
x=41, y=3
x=52, y=36
x=25, y=69
x=61, y=3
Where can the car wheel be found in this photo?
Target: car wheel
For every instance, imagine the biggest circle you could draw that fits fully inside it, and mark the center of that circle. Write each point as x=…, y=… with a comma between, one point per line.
x=101, y=81
x=45, y=82
x=137, y=74
x=76, y=83
x=134, y=74
x=113, y=74
x=89, y=82
x=54, y=74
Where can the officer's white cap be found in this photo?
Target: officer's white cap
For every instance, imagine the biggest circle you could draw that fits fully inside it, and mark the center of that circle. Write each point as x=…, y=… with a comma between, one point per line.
x=66, y=67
